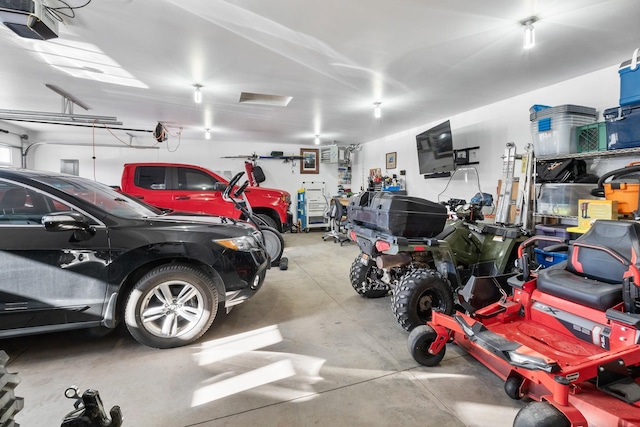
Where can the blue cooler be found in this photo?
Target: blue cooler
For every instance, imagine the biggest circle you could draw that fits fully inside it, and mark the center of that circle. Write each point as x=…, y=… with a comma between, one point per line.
x=630, y=80
x=623, y=126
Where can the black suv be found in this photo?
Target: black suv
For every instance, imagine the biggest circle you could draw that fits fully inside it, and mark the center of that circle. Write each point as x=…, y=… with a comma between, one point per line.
x=77, y=254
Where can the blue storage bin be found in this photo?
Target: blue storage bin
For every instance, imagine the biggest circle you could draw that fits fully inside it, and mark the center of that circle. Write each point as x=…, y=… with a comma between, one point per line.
x=623, y=126
x=547, y=259
x=630, y=80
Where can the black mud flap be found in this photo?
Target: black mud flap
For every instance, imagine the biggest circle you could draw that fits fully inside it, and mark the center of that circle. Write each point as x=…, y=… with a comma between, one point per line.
x=614, y=379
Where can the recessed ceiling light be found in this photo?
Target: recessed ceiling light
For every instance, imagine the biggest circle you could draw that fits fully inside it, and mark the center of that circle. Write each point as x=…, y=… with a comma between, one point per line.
x=264, y=99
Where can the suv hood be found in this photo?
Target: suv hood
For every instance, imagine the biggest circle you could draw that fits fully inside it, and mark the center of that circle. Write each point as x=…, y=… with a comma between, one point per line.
x=183, y=219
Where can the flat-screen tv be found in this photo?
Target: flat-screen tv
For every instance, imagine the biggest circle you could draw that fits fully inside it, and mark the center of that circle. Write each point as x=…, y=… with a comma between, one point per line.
x=435, y=151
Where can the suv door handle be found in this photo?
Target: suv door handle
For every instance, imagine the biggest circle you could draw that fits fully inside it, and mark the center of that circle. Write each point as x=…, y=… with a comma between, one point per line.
x=183, y=197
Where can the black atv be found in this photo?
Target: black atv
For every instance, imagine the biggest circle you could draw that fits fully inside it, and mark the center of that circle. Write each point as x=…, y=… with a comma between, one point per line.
x=410, y=248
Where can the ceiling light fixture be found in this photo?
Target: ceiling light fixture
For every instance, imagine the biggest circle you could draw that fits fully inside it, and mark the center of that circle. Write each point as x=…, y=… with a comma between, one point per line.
x=207, y=134
x=529, y=32
x=197, y=95
x=317, y=140
x=377, y=112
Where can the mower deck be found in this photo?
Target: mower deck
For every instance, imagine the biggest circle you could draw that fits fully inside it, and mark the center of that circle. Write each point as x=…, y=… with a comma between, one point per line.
x=555, y=355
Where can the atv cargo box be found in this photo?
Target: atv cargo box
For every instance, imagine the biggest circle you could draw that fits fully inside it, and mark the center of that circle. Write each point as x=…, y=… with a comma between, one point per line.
x=397, y=214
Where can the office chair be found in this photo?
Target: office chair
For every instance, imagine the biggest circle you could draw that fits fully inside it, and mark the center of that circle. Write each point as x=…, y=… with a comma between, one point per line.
x=337, y=217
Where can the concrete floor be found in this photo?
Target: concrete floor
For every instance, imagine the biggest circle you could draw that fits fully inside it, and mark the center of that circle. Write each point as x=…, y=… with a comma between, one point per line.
x=305, y=351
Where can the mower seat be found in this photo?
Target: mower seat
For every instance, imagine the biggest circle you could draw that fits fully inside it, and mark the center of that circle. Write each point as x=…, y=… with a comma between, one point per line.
x=595, y=266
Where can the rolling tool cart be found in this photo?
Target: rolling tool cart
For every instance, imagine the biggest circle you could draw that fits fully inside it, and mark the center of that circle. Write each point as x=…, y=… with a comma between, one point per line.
x=312, y=206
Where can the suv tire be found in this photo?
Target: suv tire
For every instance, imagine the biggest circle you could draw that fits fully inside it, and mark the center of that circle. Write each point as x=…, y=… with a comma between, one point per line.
x=172, y=305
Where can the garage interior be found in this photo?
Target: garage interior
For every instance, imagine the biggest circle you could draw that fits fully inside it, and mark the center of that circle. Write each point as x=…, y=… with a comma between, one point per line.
x=307, y=350
x=217, y=83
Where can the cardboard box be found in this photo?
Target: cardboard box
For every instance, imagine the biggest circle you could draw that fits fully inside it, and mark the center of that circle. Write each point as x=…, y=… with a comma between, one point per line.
x=514, y=197
x=591, y=210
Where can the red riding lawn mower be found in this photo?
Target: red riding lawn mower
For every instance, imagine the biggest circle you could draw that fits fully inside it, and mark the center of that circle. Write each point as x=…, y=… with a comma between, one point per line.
x=568, y=338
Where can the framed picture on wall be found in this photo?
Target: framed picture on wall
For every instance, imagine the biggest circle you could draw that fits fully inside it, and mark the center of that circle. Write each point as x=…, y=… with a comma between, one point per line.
x=391, y=160
x=310, y=162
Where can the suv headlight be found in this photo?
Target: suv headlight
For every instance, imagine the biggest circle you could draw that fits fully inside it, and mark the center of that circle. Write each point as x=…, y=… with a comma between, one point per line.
x=243, y=243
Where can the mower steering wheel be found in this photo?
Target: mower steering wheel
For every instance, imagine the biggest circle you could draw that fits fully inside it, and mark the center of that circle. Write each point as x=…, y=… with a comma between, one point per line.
x=232, y=183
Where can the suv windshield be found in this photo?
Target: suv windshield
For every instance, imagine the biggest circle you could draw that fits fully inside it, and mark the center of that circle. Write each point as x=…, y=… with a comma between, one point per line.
x=100, y=195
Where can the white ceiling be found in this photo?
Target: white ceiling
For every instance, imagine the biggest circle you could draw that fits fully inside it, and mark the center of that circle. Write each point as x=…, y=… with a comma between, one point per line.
x=424, y=60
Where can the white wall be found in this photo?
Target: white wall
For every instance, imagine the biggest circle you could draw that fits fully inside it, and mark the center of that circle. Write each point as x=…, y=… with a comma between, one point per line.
x=489, y=127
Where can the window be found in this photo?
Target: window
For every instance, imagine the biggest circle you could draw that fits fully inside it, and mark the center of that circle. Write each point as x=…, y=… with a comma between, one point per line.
x=20, y=205
x=70, y=167
x=5, y=155
x=151, y=177
x=195, y=180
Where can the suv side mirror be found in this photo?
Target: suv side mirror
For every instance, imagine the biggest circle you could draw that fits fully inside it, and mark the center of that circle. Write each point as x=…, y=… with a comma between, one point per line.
x=69, y=220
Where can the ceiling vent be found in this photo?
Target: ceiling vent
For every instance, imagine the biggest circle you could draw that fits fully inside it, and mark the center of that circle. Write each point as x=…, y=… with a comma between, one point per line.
x=262, y=99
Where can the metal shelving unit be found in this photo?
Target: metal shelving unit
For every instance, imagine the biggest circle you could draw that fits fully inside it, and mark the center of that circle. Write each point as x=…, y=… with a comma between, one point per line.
x=592, y=154
x=571, y=220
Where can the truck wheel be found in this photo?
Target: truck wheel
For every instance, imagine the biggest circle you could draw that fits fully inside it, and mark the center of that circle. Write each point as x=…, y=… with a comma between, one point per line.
x=420, y=339
x=171, y=306
x=10, y=404
x=365, y=279
x=540, y=414
x=418, y=293
x=268, y=221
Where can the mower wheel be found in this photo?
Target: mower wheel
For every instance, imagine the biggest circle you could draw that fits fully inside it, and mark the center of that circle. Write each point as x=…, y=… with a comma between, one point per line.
x=365, y=278
x=418, y=293
x=512, y=387
x=420, y=339
x=540, y=414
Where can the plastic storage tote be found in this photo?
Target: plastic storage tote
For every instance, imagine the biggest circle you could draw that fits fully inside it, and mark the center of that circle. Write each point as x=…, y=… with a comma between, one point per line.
x=623, y=126
x=562, y=199
x=555, y=230
x=547, y=259
x=553, y=129
x=630, y=80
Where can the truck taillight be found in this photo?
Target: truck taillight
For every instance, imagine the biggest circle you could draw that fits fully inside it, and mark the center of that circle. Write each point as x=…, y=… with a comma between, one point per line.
x=382, y=246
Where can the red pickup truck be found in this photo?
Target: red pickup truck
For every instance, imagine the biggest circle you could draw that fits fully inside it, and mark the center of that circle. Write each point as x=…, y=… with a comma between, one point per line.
x=190, y=188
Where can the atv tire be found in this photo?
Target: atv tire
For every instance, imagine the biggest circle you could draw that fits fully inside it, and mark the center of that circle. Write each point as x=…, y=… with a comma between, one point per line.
x=365, y=279
x=418, y=294
x=9, y=403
